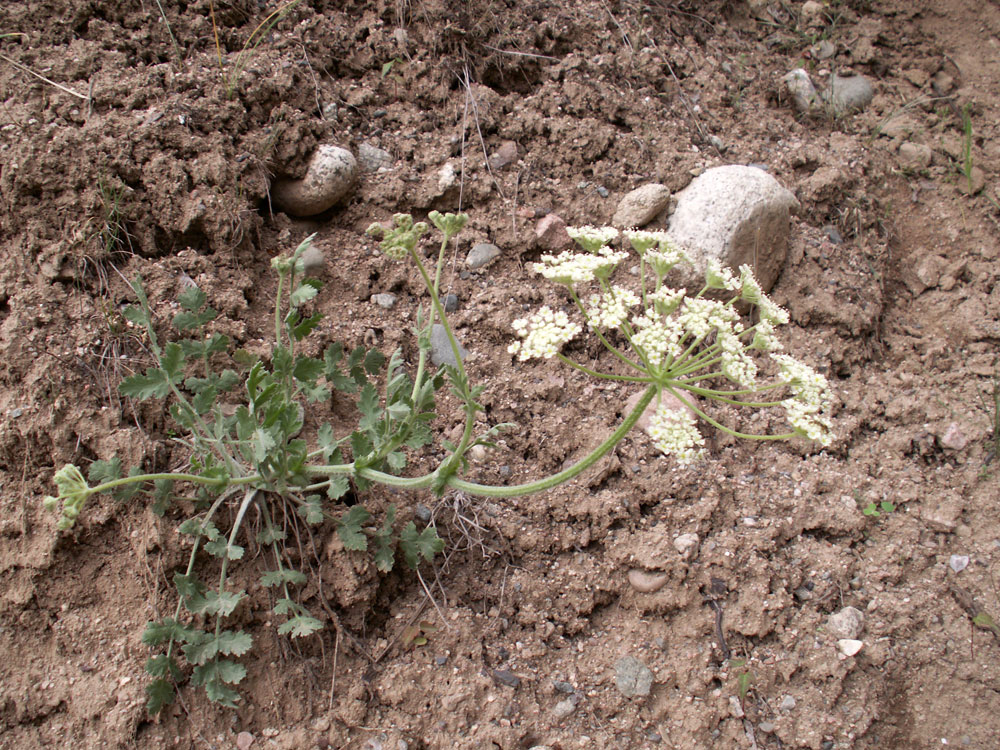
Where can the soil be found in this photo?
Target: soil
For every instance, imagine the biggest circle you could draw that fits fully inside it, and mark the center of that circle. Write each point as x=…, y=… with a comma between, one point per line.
x=133, y=157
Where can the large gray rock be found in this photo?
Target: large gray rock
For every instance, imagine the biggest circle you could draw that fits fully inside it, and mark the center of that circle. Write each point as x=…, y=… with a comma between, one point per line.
x=735, y=215
x=849, y=94
x=329, y=177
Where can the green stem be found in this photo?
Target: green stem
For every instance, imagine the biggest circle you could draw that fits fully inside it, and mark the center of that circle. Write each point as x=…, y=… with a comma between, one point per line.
x=595, y=329
x=602, y=375
x=722, y=427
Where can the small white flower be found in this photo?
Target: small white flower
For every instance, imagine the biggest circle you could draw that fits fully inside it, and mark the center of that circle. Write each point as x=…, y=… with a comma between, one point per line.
x=751, y=292
x=590, y=238
x=544, y=333
x=763, y=337
x=807, y=411
x=610, y=309
x=718, y=276
x=675, y=432
x=700, y=317
x=642, y=241
x=666, y=300
x=736, y=364
x=665, y=257
x=571, y=268
x=657, y=337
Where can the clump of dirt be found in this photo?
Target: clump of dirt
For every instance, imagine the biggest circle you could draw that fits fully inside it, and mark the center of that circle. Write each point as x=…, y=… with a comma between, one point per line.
x=130, y=144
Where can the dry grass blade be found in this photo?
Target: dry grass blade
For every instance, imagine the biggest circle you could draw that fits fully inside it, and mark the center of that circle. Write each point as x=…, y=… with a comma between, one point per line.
x=26, y=69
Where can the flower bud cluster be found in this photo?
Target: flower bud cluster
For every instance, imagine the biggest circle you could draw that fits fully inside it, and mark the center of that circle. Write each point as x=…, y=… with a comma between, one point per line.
x=569, y=268
x=807, y=410
x=610, y=309
x=73, y=491
x=592, y=239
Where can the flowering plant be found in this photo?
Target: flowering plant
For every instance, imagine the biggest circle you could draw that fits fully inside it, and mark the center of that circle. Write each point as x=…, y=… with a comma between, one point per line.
x=675, y=343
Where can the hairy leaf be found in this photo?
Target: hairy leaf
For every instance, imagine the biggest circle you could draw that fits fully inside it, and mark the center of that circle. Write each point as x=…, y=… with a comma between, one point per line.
x=415, y=545
x=159, y=694
x=152, y=384
x=162, y=665
x=285, y=575
x=300, y=626
x=168, y=629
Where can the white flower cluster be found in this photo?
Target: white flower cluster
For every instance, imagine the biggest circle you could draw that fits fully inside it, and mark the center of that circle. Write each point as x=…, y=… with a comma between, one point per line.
x=736, y=363
x=718, y=276
x=610, y=309
x=807, y=411
x=701, y=316
x=663, y=259
x=764, y=339
x=544, y=333
x=675, y=432
x=751, y=292
x=642, y=241
x=657, y=336
x=571, y=268
x=592, y=239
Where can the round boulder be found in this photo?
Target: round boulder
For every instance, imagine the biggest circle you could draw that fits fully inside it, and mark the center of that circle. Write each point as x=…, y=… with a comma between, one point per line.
x=329, y=178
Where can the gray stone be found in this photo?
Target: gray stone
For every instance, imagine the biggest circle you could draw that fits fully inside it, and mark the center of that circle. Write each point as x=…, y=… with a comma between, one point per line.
x=787, y=703
x=441, y=353
x=735, y=215
x=958, y=563
x=564, y=708
x=641, y=206
x=645, y=582
x=687, y=545
x=824, y=50
x=373, y=158
x=329, y=177
x=564, y=687
x=506, y=677
x=847, y=623
x=632, y=677
x=450, y=302
x=799, y=87
x=482, y=254
x=849, y=94
x=915, y=155
x=973, y=182
x=385, y=300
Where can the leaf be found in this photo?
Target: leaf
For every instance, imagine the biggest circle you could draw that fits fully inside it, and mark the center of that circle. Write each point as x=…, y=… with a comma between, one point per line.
x=369, y=408
x=396, y=460
x=306, y=291
x=163, y=494
x=188, y=586
x=153, y=384
x=312, y=511
x=192, y=299
x=426, y=544
x=222, y=549
x=263, y=442
x=339, y=486
x=219, y=693
x=285, y=575
x=214, y=603
x=168, y=629
x=172, y=362
x=270, y=535
x=105, y=471
x=350, y=531
x=300, y=626
x=159, y=694
x=307, y=369
x=361, y=446
x=186, y=321
x=984, y=620
x=234, y=642
x=285, y=606
x=136, y=315
x=162, y=665
x=374, y=361
x=303, y=328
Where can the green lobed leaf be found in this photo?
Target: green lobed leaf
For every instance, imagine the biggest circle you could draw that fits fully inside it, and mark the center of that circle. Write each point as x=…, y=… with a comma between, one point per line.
x=163, y=495
x=305, y=292
x=159, y=694
x=300, y=626
x=222, y=549
x=285, y=607
x=187, y=321
x=192, y=299
x=312, y=511
x=152, y=384
x=304, y=327
x=172, y=362
x=188, y=586
x=270, y=535
x=162, y=665
x=385, y=548
x=234, y=642
x=368, y=405
x=415, y=545
x=168, y=629
x=221, y=694
x=350, y=528
x=338, y=487
x=308, y=369
x=374, y=361
x=396, y=461
x=285, y=575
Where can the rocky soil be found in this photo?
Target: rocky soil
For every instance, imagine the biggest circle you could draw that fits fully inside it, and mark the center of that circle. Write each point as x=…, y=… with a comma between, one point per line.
x=778, y=596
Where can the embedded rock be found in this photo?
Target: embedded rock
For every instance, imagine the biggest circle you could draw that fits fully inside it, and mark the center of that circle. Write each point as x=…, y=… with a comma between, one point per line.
x=632, y=677
x=482, y=254
x=799, y=87
x=329, y=178
x=847, y=623
x=373, y=158
x=645, y=582
x=550, y=232
x=641, y=206
x=849, y=94
x=736, y=215
x=441, y=352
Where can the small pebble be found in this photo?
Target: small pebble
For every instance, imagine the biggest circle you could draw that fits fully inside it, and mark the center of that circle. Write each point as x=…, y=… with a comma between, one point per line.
x=632, y=677
x=506, y=677
x=958, y=563
x=602, y=191
x=849, y=646
x=385, y=300
x=422, y=512
x=563, y=687
x=450, y=302
x=441, y=660
x=766, y=727
x=482, y=254
x=564, y=708
x=846, y=624
x=686, y=545
x=787, y=703
x=645, y=582
x=244, y=740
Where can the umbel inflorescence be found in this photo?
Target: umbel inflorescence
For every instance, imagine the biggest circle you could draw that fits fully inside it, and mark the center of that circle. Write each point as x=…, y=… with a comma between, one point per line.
x=675, y=342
